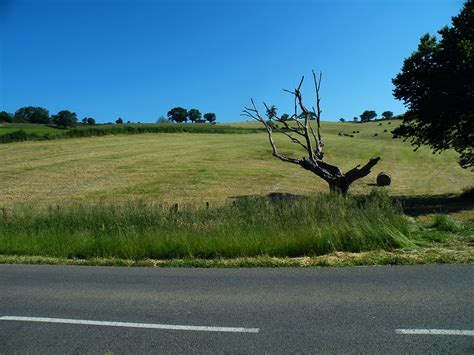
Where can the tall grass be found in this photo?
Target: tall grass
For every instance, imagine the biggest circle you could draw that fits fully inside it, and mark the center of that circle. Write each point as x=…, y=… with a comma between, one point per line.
x=249, y=227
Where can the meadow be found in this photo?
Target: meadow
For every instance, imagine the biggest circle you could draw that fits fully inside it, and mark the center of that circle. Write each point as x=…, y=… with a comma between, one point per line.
x=185, y=195
x=196, y=168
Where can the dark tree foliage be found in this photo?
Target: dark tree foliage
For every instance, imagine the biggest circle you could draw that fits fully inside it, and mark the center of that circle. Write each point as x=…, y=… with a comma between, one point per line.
x=88, y=121
x=310, y=114
x=65, y=119
x=119, y=120
x=367, y=115
x=285, y=117
x=194, y=114
x=437, y=86
x=32, y=115
x=210, y=117
x=342, y=120
x=178, y=114
x=271, y=112
x=6, y=117
x=387, y=115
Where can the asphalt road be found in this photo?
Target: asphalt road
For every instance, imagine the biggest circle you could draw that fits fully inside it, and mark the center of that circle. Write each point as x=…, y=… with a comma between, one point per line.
x=293, y=310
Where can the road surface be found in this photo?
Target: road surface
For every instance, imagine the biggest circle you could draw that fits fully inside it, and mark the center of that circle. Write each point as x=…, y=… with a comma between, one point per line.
x=71, y=309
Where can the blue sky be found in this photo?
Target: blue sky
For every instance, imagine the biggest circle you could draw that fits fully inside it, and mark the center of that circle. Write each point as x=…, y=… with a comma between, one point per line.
x=138, y=59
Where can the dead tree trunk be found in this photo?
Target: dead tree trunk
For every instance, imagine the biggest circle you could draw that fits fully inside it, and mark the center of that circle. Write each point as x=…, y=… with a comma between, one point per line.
x=301, y=132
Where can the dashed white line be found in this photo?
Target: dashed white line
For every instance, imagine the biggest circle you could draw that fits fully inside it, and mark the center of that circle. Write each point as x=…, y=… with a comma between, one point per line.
x=435, y=332
x=131, y=325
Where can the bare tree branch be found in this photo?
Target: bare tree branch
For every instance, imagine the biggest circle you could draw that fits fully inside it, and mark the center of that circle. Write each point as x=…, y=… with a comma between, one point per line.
x=253, y=112
x=337, y=180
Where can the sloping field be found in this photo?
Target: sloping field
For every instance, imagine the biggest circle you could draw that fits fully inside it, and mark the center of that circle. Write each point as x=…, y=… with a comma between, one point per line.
x=176, y=168
x=6, y=128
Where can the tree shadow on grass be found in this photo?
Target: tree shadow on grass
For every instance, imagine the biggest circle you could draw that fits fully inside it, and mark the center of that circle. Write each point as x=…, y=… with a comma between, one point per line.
x=412, y=205
x=272, y=196
x=423, y=205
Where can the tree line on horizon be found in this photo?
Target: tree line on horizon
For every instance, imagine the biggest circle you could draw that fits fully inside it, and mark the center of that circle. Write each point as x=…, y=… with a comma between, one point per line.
x=366, y=116
x=369, y=115
x=67, y=119
x=180, y=115
x=40, y=115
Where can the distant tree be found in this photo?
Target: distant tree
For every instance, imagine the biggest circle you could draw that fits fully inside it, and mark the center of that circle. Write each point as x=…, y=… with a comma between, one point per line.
x=64, y=119
x=178, y=114
x=387, y=115
x=436, y=84
x=210, y=117
x=194, y=114
x=367, y=115
x=271, y=112
x=311, y=115
x=32, y=115
x=355, y=119
x=119, y=120
x=90, y=121
x=161, y=120
x=285, y=117
x=342, y=120
x=6, y=117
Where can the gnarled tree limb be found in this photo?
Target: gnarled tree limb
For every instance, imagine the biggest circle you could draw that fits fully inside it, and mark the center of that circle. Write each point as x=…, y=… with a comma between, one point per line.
x=336, y=179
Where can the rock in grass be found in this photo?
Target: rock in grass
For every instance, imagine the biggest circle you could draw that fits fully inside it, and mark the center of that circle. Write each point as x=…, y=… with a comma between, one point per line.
x=383, y=179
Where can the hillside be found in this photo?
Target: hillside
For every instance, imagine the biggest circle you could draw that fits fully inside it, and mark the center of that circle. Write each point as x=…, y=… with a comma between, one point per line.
x=178, y=167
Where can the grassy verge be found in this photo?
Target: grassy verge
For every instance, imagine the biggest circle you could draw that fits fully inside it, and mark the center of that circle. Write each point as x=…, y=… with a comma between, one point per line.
x=324, y=230
x=336, y=259
x=252, y=227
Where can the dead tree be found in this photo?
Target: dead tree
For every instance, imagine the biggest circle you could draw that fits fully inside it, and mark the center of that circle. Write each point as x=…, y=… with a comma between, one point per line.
x=301, y=132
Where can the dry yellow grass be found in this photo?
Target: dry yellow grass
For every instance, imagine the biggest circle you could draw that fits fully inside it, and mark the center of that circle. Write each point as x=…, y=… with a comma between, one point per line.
x=170, y=168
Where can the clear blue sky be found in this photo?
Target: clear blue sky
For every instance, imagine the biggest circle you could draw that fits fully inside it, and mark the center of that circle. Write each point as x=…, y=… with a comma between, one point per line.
x=138, y=58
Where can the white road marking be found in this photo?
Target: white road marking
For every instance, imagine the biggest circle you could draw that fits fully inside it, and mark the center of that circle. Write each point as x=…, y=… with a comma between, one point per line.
x=435, y=332
x=132, y=325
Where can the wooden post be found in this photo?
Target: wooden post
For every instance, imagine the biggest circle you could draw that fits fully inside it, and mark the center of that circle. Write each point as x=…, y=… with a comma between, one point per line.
x=207, y=205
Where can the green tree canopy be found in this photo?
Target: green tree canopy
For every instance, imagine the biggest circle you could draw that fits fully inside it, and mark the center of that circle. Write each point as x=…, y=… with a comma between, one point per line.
x=32, y=115
x=194, y=114
x=367, y=115
x=178, y=114
x=119, y=120
x=436, y=84
x=65, y=119
x=210, y=117
x=387, y=115
x=271, y=112
x=6, y=117
x=284, y=117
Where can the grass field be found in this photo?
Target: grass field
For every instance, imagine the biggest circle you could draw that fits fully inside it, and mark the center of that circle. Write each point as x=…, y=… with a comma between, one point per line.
x=111, y=199
x=177, y=168
x=6, y=128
